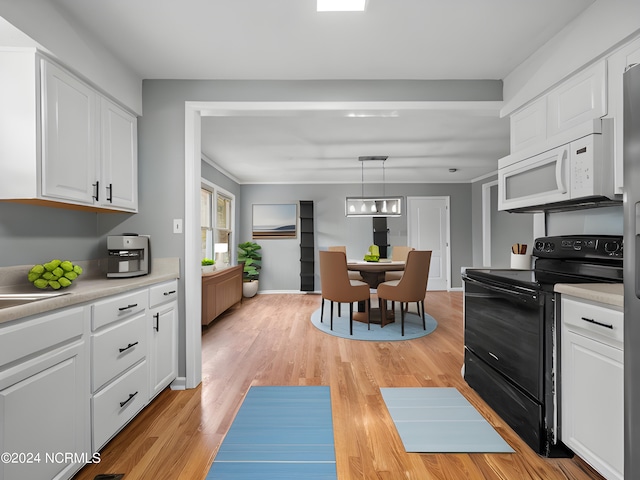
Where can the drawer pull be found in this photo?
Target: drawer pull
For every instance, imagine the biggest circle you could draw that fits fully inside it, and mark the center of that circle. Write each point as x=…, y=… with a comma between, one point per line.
x=169, y=293
x=128, y=307
x=157, y=317
x=131, y=395
x=595, y=322
x=128, y=347
x=494, y=356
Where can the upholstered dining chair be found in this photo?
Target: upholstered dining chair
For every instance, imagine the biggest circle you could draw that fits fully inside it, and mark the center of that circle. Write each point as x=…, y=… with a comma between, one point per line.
x=398, y=254
x=336, y=286
x=410, y=288
x=353, y=275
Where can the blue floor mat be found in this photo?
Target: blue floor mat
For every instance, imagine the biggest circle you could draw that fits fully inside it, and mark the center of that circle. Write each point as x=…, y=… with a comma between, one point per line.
x=279, y=433
x=440, y=420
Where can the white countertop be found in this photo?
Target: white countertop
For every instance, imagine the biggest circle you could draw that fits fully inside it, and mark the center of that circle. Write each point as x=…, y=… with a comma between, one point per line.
x=85, y=289
x=607, y=293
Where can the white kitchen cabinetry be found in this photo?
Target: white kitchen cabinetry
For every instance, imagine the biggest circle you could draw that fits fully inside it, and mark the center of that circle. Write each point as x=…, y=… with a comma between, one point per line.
x=163, y=350
x=63, y=141
x=119, y=378
x=581, y=98
x=44, y=412
x=119, y=175
x=68, y=136
x=577, y=100
x=592, y=384
x=529, y=125
x=628, y=55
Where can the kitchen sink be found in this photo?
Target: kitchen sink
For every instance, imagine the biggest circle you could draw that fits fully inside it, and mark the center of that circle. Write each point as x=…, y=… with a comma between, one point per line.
x=14, y=299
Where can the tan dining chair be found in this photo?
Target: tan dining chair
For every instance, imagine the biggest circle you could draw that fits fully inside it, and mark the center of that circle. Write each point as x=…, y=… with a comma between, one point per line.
x=336, y=286
x=353, y=275
x=398, y=254
x=412, y=287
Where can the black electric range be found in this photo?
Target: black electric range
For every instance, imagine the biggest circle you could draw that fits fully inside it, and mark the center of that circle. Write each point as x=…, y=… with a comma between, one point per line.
x=511, y=324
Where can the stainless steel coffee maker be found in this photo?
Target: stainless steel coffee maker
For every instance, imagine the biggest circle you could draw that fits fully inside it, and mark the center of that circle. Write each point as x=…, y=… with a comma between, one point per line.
x=129, y=255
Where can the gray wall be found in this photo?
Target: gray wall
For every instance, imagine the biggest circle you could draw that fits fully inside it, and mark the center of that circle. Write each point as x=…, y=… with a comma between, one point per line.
x=506, y=228
x=34, y=234
x=281, y=258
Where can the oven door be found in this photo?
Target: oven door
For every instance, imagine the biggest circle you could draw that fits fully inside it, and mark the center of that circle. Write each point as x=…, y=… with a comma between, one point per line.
x=504, y=327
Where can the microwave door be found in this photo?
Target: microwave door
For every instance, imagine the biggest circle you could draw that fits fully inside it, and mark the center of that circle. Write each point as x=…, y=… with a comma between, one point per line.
x=537, y=180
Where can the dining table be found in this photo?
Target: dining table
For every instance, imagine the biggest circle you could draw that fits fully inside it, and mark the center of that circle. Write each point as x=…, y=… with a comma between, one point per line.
x=373, y=273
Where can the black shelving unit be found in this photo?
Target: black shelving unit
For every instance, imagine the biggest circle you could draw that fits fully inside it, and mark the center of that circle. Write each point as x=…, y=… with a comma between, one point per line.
x=381, y=235
x=307, y=247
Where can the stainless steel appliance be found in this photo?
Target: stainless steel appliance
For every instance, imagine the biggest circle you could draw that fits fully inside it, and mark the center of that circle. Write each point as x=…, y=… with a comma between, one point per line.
x=511, y=324
x=631, y=152
x=129, y=255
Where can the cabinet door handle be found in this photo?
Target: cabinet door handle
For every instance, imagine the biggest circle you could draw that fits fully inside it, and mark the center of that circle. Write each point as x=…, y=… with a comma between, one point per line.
x=595, y=322
x=97, y=185
x=494, y=356
x=131, y=395
x=157, y=317
x=128, y=307
x=131, y=345
x=110, y=196
x=169, y=293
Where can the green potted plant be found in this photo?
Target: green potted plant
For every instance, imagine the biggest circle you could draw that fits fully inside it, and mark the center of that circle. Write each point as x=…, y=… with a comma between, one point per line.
x=208, y=265
x=249, y=254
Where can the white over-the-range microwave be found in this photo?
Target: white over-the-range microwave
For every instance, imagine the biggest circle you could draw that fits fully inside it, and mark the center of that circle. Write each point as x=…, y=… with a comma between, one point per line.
x=572, y=170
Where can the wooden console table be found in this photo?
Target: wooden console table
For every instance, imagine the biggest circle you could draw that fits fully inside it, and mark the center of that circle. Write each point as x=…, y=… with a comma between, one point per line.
x=221, y=289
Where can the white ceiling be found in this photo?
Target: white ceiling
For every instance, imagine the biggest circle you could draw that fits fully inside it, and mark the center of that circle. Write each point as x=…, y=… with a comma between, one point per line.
x=289, y=40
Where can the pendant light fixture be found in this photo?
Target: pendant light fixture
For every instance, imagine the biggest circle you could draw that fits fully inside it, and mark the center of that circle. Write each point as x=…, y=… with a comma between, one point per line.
x=372, y=206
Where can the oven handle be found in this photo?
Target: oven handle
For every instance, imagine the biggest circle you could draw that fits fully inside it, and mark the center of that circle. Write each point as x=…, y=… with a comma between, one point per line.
x=524, y=296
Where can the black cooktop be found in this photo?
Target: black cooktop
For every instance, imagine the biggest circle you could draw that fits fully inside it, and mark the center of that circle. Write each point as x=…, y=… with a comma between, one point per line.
x=563, y=259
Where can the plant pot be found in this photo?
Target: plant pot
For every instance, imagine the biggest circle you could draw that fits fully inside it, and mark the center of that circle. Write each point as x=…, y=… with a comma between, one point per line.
x=208, y=268
x=249, y=289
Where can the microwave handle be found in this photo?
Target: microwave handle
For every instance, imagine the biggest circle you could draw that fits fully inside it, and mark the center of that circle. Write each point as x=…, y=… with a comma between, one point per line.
x=562, y=158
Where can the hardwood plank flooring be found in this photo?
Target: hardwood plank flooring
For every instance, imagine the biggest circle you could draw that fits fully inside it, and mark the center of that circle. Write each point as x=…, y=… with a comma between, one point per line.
x=269, y=340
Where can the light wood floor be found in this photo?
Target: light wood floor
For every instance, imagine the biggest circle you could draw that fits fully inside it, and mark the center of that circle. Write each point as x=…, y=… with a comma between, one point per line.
x=269, y=340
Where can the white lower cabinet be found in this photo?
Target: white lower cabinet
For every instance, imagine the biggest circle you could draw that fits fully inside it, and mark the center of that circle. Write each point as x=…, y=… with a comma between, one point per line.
x=163, y=344
x=72, y=379
x=117, y=403
x=119, y=376
x=44, y=413
x=592, y=384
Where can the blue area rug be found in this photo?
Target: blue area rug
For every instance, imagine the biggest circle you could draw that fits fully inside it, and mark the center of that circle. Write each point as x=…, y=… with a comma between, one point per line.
x=440, y=420
x=279, y=433
x=391, y=331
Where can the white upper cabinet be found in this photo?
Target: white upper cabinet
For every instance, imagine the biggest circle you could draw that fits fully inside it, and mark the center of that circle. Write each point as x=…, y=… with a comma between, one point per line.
x=579, y=99
x=617, y=64
x=529, y=125
x=119, y=176
x=62, y=140
x=68, y=136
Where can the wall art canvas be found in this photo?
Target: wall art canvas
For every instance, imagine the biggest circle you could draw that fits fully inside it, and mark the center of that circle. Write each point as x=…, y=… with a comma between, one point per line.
x=275, y=221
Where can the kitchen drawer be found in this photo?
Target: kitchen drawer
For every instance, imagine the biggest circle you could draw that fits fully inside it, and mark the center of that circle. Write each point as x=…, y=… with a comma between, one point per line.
x=163, y=293
x=118, y=308
x=117, y=348
x=26, y=337
x=593, y=319
x=118, y=403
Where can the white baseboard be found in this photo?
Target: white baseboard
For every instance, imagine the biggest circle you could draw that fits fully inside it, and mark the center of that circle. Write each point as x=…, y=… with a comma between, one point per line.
x=180, y=383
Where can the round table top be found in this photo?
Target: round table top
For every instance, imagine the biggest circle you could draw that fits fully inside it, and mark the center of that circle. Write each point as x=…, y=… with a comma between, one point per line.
x=381, y=266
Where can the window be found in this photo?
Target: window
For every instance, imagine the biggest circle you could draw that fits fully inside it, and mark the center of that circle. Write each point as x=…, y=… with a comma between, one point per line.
x=216, y=224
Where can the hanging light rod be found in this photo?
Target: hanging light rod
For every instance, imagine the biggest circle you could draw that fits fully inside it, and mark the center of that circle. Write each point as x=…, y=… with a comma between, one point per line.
x=377, y=158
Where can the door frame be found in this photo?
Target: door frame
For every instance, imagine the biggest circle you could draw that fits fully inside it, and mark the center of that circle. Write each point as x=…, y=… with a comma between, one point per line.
x=447, y=249
x=194, y=111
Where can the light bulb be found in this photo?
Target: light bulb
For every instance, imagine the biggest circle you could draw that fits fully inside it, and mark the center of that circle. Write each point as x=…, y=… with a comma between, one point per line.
x=363, y=208
x=373, y=207
x=352, y=208
x=384, y=206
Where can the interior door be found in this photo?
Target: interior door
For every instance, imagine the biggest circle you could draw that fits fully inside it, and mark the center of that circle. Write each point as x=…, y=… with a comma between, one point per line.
x=428, y=229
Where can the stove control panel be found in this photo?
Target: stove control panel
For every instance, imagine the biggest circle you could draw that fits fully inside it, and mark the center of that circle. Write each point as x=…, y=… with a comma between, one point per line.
x=579, y=246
